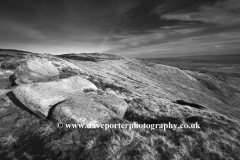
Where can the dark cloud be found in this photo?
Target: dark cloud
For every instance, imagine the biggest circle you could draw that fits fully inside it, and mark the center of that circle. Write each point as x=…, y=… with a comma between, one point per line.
x=56, y=15
x=222, y=12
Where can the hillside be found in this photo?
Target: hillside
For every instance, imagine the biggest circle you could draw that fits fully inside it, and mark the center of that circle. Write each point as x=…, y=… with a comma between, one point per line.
x=154, y=93
x=216, y=59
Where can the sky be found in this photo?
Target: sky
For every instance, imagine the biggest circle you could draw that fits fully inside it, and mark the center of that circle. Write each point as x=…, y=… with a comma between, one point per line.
x=132, y=28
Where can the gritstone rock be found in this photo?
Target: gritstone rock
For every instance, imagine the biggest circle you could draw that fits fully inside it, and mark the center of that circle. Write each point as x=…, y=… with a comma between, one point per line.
x=40, y=97
x=86, y=108
x=35, y=70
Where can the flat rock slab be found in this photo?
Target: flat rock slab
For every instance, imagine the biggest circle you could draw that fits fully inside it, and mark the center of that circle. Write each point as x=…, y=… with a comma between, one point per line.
x=40, y=97
x=35, y=70
x=90, y=108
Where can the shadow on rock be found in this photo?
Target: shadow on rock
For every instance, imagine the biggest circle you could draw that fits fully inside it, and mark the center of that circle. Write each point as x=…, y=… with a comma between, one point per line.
x=14, y=100
x=194, y=105
x=12, y=79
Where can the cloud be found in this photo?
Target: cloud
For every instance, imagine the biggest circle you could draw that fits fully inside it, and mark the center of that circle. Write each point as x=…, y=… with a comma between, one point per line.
x=222, y=43
x=180, y=42
x=53, y=27
x=12, y=32
x=126, y=27
x=194, y=28
x=223, y=12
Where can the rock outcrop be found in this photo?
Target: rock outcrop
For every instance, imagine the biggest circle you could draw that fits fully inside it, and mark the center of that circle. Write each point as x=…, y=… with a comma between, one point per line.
x=133, y=78
x=35, y=70
x=66, y=100
x=117, y=105
x=90, y=108
x=40, y=97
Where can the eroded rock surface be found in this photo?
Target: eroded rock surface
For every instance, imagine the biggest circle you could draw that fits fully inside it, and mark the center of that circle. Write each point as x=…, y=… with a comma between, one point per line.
x=112, y=102
x=84, y=109
x=35, y=70
x=88, y=108
x=39, y=97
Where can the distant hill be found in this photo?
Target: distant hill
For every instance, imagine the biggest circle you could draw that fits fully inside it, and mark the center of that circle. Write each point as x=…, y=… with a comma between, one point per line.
x=230, y=58
x=90, y=56
x=6, y=54
x=226, y=56
x=12, y=50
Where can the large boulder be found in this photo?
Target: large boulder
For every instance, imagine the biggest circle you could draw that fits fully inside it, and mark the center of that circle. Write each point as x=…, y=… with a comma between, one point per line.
x=89, y=108
x=112, y=102
x=82, y=109
x=35, y=70
x=40, y=97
